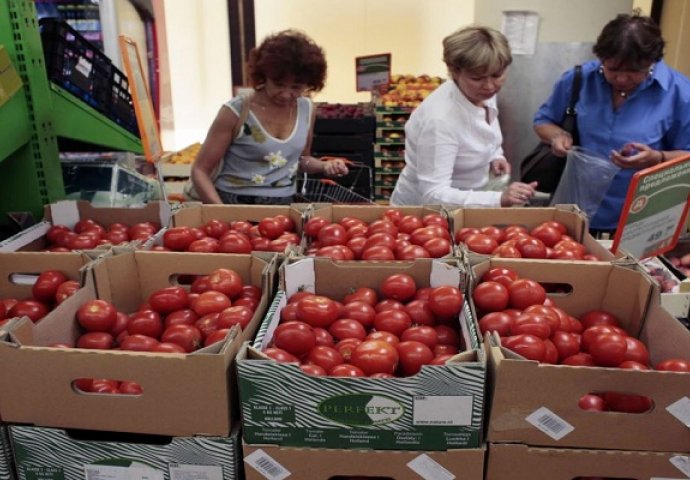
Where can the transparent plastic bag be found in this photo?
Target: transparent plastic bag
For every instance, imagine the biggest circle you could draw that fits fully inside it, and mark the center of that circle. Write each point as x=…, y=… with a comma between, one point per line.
x=585, y=180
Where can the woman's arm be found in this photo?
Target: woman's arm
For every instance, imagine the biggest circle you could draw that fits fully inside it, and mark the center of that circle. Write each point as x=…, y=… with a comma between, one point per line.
x=311, y=164
x=560, y=140
x=218, y=140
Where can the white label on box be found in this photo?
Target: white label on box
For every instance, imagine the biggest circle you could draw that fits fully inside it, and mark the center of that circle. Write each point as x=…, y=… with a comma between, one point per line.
x=106, y=472
x=442, y=410
x=300, y=276
x=429, y=469
x=681, y=410
x=65, y=212
x=84, y=66
x=681, y=463
x=266, y=466
x=550, y=423
x=180, y=471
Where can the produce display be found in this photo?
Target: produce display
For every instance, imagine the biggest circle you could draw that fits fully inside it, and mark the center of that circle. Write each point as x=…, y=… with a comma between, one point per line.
x=409, y=90
x=89, y=234
x=185, y=156
x=668, y=282
x=339, y=110
x=384, y=333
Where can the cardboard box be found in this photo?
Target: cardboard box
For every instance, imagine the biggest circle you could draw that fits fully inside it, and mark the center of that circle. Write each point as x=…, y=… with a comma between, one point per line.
x=524, y=462
x=184, y=394
x=270, y=461
x=6, y=463
x=440, y=408
x=56, y=454
x=676, y=299
x=569, y=215
x=548, y=394
x=69, y=212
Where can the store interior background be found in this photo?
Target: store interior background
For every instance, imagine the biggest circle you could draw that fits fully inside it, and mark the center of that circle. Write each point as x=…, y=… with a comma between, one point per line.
x=194, y=52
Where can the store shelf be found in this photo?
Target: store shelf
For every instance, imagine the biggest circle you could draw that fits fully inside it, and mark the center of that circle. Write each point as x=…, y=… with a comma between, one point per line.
x=78, y=121
x=14, y=125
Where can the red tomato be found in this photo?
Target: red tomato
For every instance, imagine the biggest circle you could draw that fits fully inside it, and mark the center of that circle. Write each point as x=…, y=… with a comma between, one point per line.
x=525, y=292
x=241, y=226
x=410, y=252
x=627, y=403
x=346, y=347
x=280, y=355
x=216, y=228
x=547, y=312
x=399, y=286
x=55, y=232
x=532, y=324
x=480, y=243
x=591, y=333
x=438, y=247
x=378, y=252
x=447, y=335
x=234, y=242
x=235, y=315
x=186, y=336
x=296, y=297
x=313, y=370
x=325, y=357
x=210, y=302
x=547, y=234
x=551, y=353
x=420, y=312
x=216, y=336
x=204, y=245
x=393, y=321
x=168, y=299
x=104, y=385
x=186, y=316
x=636, y=351
x=207, y=324
x=142, y=230
x=413, y=355
x=490, y=296
x=146, y=322
x=167, y=347
x=598, y=317
x=383, y=226
x=313, y=225
x=498, y=322
x=674, y=365
x=84, y=224
x=463, y=233
x=388, y=304
x=226, y=281
x=410, y=223
x=633, y=365
x=129, y=388
x=393, y=214
x=178, y=238
x=28, y=308
x=332, y=234
x=96, y=340
x=445, y=301
x=347, y=328
x=317, y=311
x=138, y=343
x=97, y=316
x=529, y=346
x=345, y=370
x=435, y=219
x=384, y=336
x=46, y=285
x=445, y=350
x=506, y=251
x=608, y=349
x=566, y=343
x=530, y=247
x=82, y=242
x=375, y=356
x=359, y=311
x=271, y=228
x=421, y=333
x=579, y=360
x=289, y=312
x=323, y=337
x=592, y=402
x=362, y=294
x=335, y=252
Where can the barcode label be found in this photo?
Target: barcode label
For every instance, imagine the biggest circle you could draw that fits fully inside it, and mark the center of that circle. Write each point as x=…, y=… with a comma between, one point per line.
x=681, y=410
x=681, y=463
x=429, y=469
x=266, y=466
x=550, y=423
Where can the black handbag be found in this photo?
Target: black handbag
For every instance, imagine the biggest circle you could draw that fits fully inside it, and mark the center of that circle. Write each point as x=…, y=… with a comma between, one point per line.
x=541, y=165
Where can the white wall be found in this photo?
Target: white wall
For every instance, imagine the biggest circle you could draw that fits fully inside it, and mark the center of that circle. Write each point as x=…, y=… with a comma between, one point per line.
x=411, y=30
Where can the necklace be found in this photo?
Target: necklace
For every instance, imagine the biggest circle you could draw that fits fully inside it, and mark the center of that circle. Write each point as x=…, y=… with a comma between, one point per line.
x=622, y=93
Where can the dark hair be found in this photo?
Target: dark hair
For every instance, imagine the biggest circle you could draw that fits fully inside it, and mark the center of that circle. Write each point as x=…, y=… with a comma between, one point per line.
x=288, y=55
x=633, y=40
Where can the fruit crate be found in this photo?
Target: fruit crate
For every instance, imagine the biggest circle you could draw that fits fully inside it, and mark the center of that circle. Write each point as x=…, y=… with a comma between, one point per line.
x=78, y=66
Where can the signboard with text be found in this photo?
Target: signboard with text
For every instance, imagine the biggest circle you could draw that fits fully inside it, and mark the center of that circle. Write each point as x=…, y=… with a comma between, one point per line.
x=655, y=209
x=372, y=71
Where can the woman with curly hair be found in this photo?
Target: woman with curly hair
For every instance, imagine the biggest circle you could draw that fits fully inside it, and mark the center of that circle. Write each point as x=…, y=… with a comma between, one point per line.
x=259, y=165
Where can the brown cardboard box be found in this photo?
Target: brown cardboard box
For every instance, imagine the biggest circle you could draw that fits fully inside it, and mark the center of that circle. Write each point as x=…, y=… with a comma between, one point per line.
x=184, y=395
x=569, y=215
x=520, y=388
x=270, y=461
x=524, y=462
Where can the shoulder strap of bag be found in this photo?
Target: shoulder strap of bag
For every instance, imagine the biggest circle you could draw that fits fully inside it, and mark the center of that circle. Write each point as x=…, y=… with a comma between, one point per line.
x=575, y=94
x=244, y=114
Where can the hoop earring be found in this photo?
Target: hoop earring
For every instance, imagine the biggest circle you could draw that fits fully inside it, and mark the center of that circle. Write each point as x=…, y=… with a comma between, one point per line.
x=651, y=71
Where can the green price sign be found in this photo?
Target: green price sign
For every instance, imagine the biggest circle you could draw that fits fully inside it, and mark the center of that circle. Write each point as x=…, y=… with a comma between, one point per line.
x=372, y=71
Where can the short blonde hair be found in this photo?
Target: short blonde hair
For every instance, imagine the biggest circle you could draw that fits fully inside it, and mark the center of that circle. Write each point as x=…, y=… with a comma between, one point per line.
x=477, y=49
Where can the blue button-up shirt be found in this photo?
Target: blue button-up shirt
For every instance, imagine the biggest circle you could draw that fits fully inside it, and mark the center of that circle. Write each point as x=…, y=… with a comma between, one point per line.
x=657, y=114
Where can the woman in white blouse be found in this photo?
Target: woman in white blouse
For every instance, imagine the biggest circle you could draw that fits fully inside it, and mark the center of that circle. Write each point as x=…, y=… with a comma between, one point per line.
x=453, y=139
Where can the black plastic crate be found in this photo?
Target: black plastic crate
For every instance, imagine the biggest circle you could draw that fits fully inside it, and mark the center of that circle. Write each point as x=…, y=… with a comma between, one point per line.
x=345, y=143
x=121, y=106
x=345, y=125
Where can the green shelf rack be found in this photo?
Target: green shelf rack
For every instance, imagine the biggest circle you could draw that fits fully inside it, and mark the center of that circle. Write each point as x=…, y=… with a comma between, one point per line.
x=33, y=119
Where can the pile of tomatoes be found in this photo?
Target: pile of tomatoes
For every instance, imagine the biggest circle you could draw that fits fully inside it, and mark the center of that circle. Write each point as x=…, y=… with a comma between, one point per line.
x=172, y=321
x=270, y=234
x=394, y=236
x=530, y=324
x=88, y=234
x=392, y=332
x=548, y=240
x=51, y=288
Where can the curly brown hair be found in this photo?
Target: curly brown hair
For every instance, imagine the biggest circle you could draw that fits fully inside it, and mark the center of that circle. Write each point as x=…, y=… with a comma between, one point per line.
x=288, y=55
x=633, y=40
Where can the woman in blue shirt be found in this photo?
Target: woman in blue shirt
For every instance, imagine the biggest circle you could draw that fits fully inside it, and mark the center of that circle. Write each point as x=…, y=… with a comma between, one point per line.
x=633, y=108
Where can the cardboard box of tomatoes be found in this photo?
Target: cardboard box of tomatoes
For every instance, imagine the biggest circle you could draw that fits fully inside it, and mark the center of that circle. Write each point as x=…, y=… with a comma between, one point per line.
x=53, y=453
x=70, y=212
x=271, y=461
x=523, y=462
x=183, y=394
x=570, y=216
x=538, y=403
x=439, y=408
x=6, y=464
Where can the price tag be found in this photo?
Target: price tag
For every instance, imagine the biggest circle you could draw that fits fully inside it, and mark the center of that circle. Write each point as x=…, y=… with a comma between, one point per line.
x=550, y=423
x=195, y=472
x=266, y=465
x=106, y=472
x=429, y=469
x=442, y=410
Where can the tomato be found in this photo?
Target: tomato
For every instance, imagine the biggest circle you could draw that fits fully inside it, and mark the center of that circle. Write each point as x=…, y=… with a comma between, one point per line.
x=296, y=338
x=216, y=336
x=636, y=351
x=261, y=243
x=445, y=301
x=296, y=297
x=529, y=346
x=547, y=234
x=241, y=226
x=345, y=370
x=393, y=214
x=146, y=322
x=203, y=245
x=346, y=347
x=598, y=317
x=168, y=299
x=463, y=233
x=447, y=335
x=410, y=252
x=28, y=308
x=490, y=296
x=533, y=324
x=566, y=343
x=313, y=370
x=530, y=247
x=580, y=359
x=104, y=385
x=335, y=252
x=332, y=234
x=55, y=232
x=142, y=230
x=410, y=223
x=129, y=388
x=399, y=286
x=138, y=343
x=313, y=225
x=437, y=247
x=226, y=281
x=551, y=353
x=289, y=312
x=564, y=254
x=420, y=312
x=608, y=349
x=323, y=337
x=480, y=243
x=524, y=292
x=359, y=230
x=216, y=228
x=383, y=226
x=280, y=355
x=82, y=242
x=359, y=311
x=393, y=321
x=317, y=311
x=325, y=357
x=498, y=322
x=235, y=315
x=421, y=333
x=96, y=316
x=46, y=285
x=375, y=356
x=384, y=336
x=362, y=294
x=674, y=365
x=627, y=403
x=186, y=336
x=207, y=324
x=349, y=222
x=413, y=355
x=592, y=403
x=167, y=347
x=506, y=251
x=378, y=252
x=591, y=333
x=388, y=304
x=186, y=316
x=178, y=238
x=96, y=340
x=435, y=219
x=632, y=365
x=210, y=302
x=445, y=350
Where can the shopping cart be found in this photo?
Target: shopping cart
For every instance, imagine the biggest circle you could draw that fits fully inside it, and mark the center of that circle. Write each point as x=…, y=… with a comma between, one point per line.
x=340, y=190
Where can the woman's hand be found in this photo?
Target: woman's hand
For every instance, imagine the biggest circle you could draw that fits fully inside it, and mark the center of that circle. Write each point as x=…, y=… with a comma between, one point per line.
x=335, y=167
x=500, y=166
x=636, y=155
x=518, y=193
x=561, y=143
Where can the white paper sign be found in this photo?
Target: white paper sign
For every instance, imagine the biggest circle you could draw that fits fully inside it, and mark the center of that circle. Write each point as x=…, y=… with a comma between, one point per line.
x=682, y=463
x=442, y=410
x=106, y=472
x=681, y=410
x=266, y=465
x=521, y=28
x=550, y=423
x=180, y=471
x=429, y=469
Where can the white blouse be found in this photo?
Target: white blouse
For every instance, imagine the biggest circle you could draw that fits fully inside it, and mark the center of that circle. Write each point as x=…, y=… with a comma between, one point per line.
x=449, y=145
